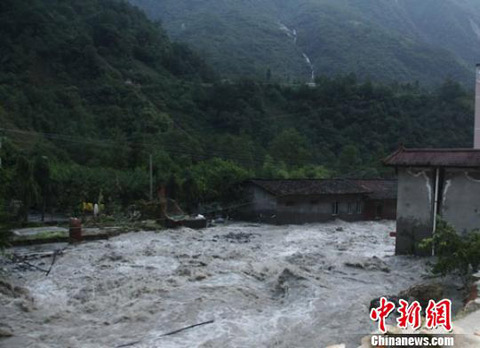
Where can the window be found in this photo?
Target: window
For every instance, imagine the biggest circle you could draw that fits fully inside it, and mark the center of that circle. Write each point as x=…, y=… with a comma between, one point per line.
x=335, y=208
x=378, y=210
x=350, y=208
x=359, y=207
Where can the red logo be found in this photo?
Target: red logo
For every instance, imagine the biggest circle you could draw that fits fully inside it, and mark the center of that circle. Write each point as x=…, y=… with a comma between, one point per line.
x=409, y=315
x=439, y=314
x=381, y=313
x=436, y=314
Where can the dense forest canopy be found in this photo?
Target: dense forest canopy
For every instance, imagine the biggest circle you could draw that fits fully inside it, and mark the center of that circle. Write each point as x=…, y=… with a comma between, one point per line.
x=385, y=40
x=90, y=89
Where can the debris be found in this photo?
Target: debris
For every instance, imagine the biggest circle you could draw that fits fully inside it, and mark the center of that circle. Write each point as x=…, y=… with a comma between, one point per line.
x=240, y=237
x=187, y=327
x=168, y=333
x=53, y=262
x=128, y=344
x=21, y=260
x=200, y=277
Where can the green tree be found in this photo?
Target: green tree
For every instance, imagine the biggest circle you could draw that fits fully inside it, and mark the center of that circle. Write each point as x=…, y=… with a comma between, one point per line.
x=172, y=187
x=41, y=174
x=290, y=147
x=26, y=188
x=349, y=160
x=190, y=193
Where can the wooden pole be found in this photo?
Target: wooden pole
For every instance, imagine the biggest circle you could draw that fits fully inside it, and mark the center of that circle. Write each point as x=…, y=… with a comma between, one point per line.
x=151, y=178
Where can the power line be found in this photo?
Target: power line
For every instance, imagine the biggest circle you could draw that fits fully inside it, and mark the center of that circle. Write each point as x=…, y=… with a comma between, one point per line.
x=242, y=158
x=167, y=146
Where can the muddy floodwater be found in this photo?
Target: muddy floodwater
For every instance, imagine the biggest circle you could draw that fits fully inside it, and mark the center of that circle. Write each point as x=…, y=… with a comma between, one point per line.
x=263, y=286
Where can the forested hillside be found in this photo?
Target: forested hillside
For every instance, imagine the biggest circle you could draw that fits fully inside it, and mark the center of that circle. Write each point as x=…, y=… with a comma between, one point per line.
x=384, y=40
x=89, y=90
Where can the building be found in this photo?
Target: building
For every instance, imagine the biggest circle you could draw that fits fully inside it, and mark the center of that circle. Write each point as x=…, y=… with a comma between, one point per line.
x=437, y=182
x=381, y=202
x=434, y=182
x=305, y=201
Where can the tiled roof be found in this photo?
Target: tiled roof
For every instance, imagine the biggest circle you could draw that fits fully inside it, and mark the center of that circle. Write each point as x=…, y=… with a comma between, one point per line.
x=463, y=158
x=310, y=187
x=380, y=189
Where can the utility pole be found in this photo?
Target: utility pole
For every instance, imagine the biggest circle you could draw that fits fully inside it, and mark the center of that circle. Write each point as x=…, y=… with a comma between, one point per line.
x=151, y=178
x=1, y=151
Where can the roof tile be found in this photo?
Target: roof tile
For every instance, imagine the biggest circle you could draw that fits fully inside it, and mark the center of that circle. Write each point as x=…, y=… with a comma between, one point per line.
x=379, y=189
x=463, y=158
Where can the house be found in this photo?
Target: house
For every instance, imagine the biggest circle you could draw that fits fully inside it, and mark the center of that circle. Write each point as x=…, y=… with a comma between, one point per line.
x=381, y=202
x=434, y=182
x=437, y=182
x=305, y=201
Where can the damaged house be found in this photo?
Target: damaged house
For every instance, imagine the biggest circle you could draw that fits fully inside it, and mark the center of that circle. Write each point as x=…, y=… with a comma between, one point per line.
x=434, y=182
x=305, y=201
x=437, y=182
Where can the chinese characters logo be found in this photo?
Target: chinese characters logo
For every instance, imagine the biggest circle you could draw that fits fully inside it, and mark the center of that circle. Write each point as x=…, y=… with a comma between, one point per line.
x=437, y=314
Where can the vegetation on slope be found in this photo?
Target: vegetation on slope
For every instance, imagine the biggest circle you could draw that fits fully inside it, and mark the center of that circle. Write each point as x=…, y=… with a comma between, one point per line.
x=382, y=40
x=89, y=90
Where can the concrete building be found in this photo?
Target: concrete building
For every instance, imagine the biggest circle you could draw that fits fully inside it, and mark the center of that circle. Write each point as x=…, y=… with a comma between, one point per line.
x=304, y=201
x=434, y=182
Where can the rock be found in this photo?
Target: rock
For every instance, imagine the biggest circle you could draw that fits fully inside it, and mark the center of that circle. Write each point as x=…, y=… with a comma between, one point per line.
x=472, y=306
x=12, y=290
x=423, y=293
x=339, y=229
x=5, y=332
x=372, y=264
x=286, y=280
x=375, y=303
x=6, y=288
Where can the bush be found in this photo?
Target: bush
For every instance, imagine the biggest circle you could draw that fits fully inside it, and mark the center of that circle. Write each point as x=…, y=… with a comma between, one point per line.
x=454, y=252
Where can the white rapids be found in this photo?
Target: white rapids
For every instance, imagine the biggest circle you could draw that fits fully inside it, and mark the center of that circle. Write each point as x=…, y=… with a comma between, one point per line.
x=264, y=286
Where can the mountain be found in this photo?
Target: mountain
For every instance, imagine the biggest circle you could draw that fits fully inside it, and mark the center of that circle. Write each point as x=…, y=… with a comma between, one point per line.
x=386, y=40
x=89, y=90
x=78, y=69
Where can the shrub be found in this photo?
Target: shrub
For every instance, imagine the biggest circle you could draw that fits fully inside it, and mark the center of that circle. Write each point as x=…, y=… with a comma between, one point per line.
x=454, y=252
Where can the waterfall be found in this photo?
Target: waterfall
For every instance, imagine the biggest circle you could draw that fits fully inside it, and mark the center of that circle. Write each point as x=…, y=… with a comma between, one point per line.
x=292, y=33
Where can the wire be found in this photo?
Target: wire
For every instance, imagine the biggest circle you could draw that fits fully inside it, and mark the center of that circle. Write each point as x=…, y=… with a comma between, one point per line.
x=240, y=158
